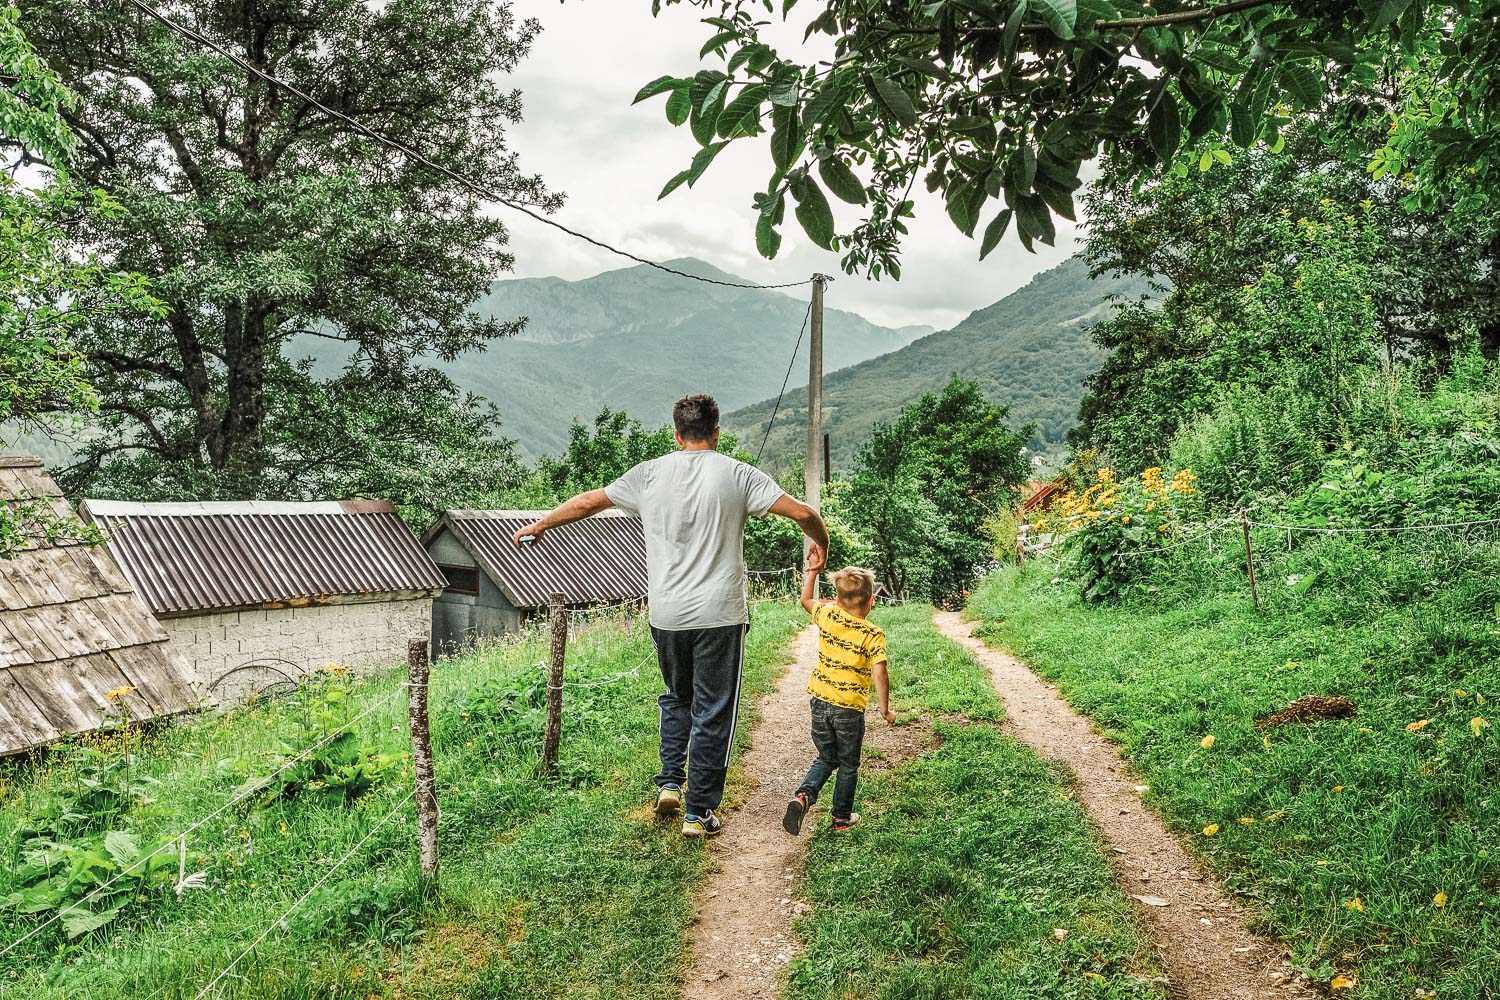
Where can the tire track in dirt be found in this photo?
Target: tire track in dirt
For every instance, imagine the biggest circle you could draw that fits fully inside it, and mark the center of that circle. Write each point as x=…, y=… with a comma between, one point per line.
x=742, y=939
x=1201, y=934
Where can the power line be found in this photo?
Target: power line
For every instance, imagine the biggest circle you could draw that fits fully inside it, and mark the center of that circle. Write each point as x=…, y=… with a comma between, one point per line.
x=787, y=378
x=407, y=151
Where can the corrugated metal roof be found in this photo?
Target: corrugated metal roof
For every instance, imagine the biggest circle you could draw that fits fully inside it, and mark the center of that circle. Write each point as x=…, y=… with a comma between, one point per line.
x=601, y=558
x=214, y=556
x=72, y=633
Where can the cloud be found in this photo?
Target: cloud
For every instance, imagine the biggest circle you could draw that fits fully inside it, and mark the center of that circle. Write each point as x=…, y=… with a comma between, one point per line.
x=611, y=158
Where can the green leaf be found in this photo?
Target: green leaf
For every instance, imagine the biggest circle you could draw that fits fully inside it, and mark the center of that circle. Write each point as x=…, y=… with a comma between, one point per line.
x=1164, y=127
x=1241, y=126
x=1013, y=29
x=1061, y=15
x=658, y=86
x=1022, y=169
x=841, y=181
x=679, y=106
x=767, y=239
x=676, y=182
x=894, y=102
x=1097, y=10
x=1304, y=84
x=814, y=212
x=79, y=921
x=1222, y=155
x=1205, y=161
x=994, y=232
x=829, y=98
x=961, y=206
x=746, y=103
x=786, y=138
x=1383, y=12
x=705, y=117
x=122, y=846
x=722, y=38
x=704, y=157
x=1034, y=220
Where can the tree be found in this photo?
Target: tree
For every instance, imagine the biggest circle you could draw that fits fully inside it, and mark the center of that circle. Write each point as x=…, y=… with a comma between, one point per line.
x=262, y=219
x=1207, y=233
x=45, y=291
x=1006, y=99
x=923, y=485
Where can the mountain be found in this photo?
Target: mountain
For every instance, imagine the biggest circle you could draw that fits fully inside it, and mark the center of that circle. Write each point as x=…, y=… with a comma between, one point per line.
x=638, y=339
x=1030, y=351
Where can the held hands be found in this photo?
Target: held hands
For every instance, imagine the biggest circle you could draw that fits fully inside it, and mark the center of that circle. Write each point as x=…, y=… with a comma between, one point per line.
x=816, y=558
x=531, y=531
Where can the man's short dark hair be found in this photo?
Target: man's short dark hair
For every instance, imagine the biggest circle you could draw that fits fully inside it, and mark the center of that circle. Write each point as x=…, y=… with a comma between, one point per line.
x=696, y=417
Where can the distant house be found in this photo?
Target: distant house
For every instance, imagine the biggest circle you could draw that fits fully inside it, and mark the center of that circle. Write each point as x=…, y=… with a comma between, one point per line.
x=258, y=593
x=1042, y=495
x=77, y=648
x=493, y=586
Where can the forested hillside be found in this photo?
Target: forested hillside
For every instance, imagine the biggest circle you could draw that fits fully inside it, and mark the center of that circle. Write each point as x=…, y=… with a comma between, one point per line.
x=635, y=340
x=1029, y=351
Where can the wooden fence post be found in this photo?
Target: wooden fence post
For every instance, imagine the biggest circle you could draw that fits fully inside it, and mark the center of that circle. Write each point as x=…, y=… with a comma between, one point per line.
x=418, y=671
x=1249, y=558
x=552, y=735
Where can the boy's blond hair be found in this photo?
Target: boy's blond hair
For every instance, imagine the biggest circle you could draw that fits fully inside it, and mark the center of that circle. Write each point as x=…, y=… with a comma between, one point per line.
x=853, y=585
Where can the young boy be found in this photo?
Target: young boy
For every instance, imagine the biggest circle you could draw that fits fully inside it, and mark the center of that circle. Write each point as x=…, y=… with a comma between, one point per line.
x=851, y=652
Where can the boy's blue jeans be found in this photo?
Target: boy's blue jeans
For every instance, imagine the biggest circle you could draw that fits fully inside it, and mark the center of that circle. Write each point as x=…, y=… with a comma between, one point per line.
x=839, y=734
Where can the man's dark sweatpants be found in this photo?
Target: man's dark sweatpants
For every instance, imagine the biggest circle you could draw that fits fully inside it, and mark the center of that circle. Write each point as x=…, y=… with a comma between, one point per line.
x=701, y=668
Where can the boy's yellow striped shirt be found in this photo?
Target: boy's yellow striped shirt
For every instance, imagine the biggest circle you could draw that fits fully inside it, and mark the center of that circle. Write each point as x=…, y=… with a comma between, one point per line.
x=848, y=647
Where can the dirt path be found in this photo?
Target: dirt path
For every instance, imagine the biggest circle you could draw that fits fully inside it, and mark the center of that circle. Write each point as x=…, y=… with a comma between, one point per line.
x=1201, y=934
x=742, y=938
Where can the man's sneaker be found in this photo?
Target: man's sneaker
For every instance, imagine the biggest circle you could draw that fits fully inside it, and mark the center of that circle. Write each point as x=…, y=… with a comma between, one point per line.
x=707, y=825
x=840, y=825
x=668, y=801
x=796, y=809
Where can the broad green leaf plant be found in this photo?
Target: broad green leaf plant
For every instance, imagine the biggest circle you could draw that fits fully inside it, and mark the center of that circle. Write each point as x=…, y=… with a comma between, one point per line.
x=998, y=104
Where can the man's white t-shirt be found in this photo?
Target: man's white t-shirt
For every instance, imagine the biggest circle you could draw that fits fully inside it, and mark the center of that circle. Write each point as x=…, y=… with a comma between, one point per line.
x=693, y=505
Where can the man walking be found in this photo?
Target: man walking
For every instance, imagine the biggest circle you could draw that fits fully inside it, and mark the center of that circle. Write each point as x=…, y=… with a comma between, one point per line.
x=693, y=505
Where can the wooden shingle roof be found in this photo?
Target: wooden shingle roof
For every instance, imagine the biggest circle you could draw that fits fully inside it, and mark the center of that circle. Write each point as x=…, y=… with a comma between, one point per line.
x=72, y=631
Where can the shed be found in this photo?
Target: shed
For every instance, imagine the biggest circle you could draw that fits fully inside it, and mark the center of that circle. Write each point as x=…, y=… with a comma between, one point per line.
x=493, y=586
x=257, y=593
x=77, y=648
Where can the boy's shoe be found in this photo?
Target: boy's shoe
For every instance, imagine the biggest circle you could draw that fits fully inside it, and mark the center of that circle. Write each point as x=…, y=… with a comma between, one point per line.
x=707, y=825
x=668, y=801
x=796, y=809
x=840, y=825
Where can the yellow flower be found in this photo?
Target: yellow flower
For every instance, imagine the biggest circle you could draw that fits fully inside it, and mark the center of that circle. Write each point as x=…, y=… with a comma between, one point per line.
x=1412, y=727
x=1207, y=742
x=1125, y=519
x=1341, y=983
x=1460, y=693
x=118, y=693
x=1476, y=724
x=1338, y=788
x=1246, y=820
x=1440, y=900
x=1355, y=904
x=1161, y=527
x=1210, y=829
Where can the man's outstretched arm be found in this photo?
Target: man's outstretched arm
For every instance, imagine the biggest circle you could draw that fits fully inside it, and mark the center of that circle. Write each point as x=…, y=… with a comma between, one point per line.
x=582, y=506
x=808, y=520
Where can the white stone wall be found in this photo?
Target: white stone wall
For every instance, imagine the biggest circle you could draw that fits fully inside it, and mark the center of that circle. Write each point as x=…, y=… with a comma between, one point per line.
x=365, y=635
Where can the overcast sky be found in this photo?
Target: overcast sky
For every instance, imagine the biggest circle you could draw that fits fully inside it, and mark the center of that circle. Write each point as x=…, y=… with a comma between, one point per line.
x=611, y=159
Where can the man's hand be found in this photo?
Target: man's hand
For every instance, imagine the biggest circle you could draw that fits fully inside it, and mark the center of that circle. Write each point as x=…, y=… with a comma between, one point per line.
x=888, y=716
x=532, y=531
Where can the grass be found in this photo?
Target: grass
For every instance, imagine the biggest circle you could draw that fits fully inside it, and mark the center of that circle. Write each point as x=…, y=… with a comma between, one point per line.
x=1343, y=834
x=970, y=860
x=549, y=889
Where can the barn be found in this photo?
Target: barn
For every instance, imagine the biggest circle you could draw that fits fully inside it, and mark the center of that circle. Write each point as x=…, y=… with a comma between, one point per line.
x=258, y=593
x=78, y=650
x=492, y=586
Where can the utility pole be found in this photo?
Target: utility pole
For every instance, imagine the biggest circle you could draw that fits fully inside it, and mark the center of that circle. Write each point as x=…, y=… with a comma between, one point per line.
x=813, y=471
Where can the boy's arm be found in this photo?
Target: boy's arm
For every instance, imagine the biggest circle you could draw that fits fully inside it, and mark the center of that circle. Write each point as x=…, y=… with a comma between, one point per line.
x=883, y=691
x=815, y=560
x=809, y=584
